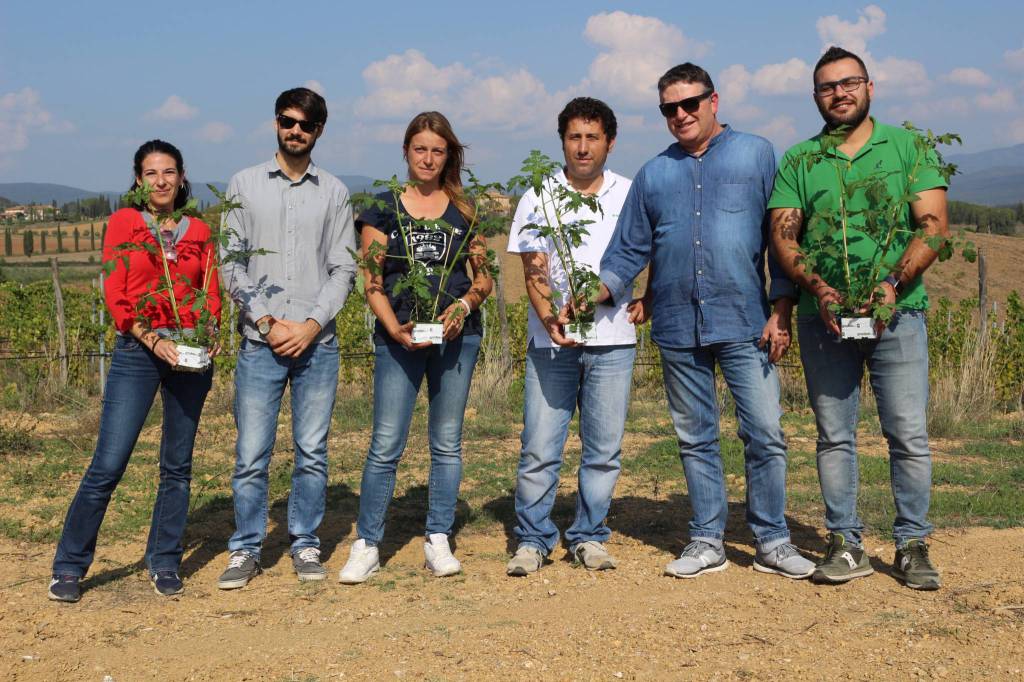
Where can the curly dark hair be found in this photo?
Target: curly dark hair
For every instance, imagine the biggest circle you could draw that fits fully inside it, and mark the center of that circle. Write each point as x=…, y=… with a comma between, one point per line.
x=589, y=109
x=161, y=147
x=835, y=54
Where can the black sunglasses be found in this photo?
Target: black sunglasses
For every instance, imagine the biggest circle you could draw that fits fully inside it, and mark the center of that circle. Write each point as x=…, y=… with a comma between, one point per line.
x=287, y=123
x=689, y=105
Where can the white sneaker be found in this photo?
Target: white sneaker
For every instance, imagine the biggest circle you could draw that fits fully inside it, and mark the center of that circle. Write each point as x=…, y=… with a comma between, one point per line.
x=439, y=556
x=363, y=561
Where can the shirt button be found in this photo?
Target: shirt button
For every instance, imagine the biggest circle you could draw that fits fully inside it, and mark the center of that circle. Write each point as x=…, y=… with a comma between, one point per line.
x=698, y=242
x=698, y=212
x=702, y=301
x=700, y=272
x=698, y=186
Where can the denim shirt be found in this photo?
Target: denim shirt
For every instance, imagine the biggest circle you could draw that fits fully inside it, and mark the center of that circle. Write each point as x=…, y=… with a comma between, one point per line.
x=701, y=223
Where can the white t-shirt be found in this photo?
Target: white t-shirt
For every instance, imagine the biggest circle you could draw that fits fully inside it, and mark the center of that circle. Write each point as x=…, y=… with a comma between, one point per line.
x=612, y=328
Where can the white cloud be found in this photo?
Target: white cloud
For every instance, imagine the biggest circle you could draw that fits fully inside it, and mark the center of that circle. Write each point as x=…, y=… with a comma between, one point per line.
x=920, y=111
x=216, y=132
x=637, y=50
x=969, y=76
x=506, y=102
x=1000, y=100
x=316, y=86
x=788, y=78
x=781, y=130
x=898, y=76
x=174, y=108
x=1014, y=59
x=21, y=114
x=852, y=36
x=400, y=85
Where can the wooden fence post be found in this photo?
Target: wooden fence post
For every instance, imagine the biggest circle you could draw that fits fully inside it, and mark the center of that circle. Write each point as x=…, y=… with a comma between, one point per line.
x=982, y=293
x=61, y=331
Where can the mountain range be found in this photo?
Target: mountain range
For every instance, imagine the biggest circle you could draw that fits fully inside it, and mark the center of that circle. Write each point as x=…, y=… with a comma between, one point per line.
x=44, y=192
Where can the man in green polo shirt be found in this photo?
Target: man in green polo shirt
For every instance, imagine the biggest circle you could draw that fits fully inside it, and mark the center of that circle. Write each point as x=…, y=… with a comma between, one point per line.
x=898, y=358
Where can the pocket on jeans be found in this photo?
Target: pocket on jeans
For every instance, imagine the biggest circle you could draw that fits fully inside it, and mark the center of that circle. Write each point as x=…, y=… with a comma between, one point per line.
x=128, y=344
x=250, y=346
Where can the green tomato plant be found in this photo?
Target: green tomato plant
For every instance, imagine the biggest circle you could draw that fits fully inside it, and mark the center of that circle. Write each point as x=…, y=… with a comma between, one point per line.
x=426, y=284
x=827, y=235
x=556, y=204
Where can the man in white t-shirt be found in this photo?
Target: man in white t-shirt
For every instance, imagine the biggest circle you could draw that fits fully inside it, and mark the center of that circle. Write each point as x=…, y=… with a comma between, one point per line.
x=560, y=373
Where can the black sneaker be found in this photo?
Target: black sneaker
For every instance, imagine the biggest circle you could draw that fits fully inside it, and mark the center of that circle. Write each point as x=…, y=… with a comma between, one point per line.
x=166, y=583
x=307, y=564
x=65, y=588
x=842, y=562
x=242, y=567
x=914, y=568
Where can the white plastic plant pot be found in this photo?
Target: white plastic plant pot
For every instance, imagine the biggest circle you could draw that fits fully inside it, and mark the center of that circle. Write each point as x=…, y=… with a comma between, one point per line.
x=857, y=328
x=581, y=332
x=192, y=358
x=428, y=332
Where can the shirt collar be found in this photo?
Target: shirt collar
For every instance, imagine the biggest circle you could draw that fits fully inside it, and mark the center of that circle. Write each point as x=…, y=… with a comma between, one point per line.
x=712, y=143
x=877, y=137
x=607, y=181
x=273, y=167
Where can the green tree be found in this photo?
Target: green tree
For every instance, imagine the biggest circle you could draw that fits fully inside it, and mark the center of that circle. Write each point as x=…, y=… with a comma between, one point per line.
x=60, y=239
x=92, y=236
x=28, y=242
x=8, y=242
x=77, y=235
x=42, y=241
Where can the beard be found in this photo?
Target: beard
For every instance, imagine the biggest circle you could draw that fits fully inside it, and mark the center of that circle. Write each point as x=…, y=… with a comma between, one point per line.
x=295, y=150
x=852, y=118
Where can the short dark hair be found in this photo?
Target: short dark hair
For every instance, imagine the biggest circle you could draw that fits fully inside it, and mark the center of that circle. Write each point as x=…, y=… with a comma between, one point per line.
x=835, y=54
x=685, y=73
x=305, y=100
x=161, y=147
x=589, y=109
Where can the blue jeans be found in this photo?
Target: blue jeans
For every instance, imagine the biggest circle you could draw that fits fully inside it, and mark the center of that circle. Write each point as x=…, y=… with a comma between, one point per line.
x=898, y=366
x=557, y=380
x=690, y=386
x=397, y=376
x=135, y=376
x=260, y=378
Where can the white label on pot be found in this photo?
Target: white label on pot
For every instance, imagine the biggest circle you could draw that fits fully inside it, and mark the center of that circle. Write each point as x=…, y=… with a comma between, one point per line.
x=857, y=327
x=428, y=333
x=192, y=358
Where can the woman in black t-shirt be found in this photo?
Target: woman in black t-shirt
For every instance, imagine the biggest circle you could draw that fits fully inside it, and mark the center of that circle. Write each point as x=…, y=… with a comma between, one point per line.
x=434, y=156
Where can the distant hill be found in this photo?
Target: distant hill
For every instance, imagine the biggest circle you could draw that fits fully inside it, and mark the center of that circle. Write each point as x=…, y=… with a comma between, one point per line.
x=994, y=177
x=44, y=192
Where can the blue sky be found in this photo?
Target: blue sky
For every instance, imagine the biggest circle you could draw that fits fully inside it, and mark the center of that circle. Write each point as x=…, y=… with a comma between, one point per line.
x=83, y=84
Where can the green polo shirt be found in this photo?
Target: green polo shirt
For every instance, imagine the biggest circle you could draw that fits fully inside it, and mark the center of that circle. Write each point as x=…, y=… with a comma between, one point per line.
x=889, y=149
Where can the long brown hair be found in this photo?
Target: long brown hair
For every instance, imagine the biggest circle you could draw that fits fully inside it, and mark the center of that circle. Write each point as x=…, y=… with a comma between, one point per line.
x=451, y=174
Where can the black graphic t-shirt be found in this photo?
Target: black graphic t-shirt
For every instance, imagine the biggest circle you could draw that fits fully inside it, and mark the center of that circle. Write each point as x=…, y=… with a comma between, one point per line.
x=433, y=249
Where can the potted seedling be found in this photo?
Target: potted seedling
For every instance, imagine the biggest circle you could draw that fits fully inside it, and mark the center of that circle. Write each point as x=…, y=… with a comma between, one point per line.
x=556, y=202
x=192, y=344
x=829, y=234
x=429, y=253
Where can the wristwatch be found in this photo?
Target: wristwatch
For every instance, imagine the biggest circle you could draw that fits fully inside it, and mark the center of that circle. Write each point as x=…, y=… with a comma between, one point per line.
x=264, y=325
x=895, y=283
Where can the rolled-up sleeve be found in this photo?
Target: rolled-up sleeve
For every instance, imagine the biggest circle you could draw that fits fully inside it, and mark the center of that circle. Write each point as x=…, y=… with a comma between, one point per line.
x=630, y=248
x=341, y=266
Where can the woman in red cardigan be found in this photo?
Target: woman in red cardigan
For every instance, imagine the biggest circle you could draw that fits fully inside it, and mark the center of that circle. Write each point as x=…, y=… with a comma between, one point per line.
x=144, y=361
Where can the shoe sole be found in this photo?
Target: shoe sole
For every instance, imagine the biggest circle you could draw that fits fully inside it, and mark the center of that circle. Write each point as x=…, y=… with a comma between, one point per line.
x=794, y=576
x=923, y=587
x=53, y=597
x=707, y=569
x=442, y=574
x=234, y=584
x=166, y=594
x=823, y=579
x=519, y=572
x=603, y=566
x=358, y=581
x=311, y=577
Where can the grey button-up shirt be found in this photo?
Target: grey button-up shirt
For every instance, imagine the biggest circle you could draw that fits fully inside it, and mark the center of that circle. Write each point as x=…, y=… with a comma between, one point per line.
x=307, y=228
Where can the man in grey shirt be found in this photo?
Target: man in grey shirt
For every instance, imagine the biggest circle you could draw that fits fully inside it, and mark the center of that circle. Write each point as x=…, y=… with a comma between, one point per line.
x=288, y=297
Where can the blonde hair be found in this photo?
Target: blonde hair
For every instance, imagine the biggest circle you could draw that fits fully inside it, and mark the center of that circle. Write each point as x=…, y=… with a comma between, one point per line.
x=451, y=174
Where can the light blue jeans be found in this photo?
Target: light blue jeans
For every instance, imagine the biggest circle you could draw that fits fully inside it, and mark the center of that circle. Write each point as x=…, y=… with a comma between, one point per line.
x=598, y=380
x=397, y=376
x=260, y=380
x=690, y=386
x=898, y=366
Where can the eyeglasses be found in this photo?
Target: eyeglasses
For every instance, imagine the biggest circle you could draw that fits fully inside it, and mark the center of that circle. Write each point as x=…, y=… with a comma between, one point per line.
x=851, y=84
x=689, y=105
x=287, y=123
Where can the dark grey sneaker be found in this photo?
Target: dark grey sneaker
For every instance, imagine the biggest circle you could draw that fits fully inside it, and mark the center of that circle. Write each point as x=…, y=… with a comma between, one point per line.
x=843, y=562
x=914, y=568
x=242, y=567
x=307, y=564
x=166, y=583
x=65, y=588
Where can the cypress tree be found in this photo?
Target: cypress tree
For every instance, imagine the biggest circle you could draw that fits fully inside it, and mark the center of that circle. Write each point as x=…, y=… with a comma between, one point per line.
x=103, y=235
x=28, y=242
x=42, y=241
x=8, y=242
x=60, y=240
x=76, y=239
x=92, y=236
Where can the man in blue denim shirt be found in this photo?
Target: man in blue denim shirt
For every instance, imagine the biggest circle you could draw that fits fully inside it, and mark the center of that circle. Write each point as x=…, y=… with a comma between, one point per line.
x=696, y=212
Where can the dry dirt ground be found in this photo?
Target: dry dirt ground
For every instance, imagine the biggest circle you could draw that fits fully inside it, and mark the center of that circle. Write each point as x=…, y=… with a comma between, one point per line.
x=563, y=623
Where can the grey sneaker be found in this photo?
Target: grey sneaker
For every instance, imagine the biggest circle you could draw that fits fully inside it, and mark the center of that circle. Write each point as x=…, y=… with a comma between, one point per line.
x=843, y=562
x=242, y=567
x=914, y=568
x=307, y=564
x=527, y=559
x=593, y=556
x=698, y=557
x=785, y=560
